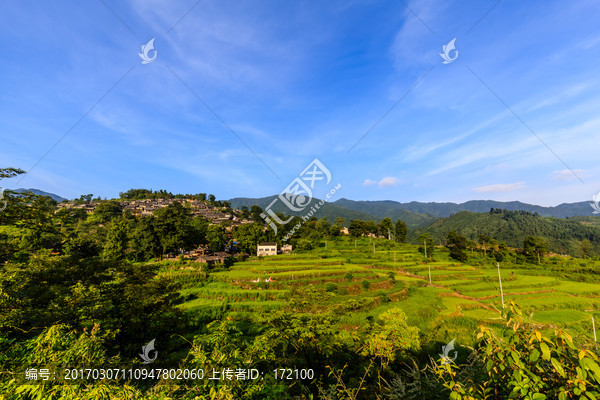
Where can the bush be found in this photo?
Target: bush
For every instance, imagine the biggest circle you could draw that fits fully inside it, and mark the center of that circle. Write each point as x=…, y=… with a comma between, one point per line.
x=366, y=284
x=331, y=287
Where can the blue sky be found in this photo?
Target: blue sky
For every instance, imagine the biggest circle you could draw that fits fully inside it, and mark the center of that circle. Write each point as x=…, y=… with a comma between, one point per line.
x=296, y=81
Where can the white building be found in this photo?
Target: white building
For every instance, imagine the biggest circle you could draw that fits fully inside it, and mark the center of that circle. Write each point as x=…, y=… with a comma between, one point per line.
x=267, y=249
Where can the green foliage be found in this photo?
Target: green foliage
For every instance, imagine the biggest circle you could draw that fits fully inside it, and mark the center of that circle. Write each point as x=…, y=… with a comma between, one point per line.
x=331, y=287
x=401, y=231
x=562, y=235
x=426, y=245
x=457, y=245
x=525, y=363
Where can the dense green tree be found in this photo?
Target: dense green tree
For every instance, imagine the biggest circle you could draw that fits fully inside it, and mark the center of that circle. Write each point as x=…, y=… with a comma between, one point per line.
x=245, y=212
x=340, y=221
x=116, y=245
x=585, y=248
x=356, y=228
x=426, y=245
x=107, y=211
x=322, y=226
x=145, y=241
x=385, y=228
x=216, y=237
x=401, y=231
x=125, y=300
x=256, y=211
x=457, y=244
x=248, y=236
x=535, y=248
x=173, y=224
x=334, y=230
x=82, y=246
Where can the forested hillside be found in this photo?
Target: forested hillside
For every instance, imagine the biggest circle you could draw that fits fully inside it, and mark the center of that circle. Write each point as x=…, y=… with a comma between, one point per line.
x=328, y=210
x=564, y=236
x=446, y=209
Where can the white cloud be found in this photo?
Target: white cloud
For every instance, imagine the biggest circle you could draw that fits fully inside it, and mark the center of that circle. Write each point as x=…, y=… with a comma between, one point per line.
x=501, y=187
x=567, y=174
x=389, y=181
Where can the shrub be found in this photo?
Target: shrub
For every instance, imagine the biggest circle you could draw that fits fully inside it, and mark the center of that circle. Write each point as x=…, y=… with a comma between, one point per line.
x=366, y=284
x=331, y=287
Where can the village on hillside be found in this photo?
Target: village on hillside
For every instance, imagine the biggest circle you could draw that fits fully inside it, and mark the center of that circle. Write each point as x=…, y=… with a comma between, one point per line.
x=215, y=216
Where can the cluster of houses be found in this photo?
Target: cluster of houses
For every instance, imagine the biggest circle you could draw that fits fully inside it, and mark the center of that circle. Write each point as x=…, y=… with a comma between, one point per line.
x=203, y=254
x=148, y=206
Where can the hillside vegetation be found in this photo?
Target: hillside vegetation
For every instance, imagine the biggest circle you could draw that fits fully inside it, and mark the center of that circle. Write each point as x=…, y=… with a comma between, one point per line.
x=563, y=236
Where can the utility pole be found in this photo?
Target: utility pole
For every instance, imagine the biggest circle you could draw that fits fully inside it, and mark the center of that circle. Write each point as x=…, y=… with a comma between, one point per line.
x=430, y=274
x=500, y=280
x=594, y=328
x=373, y=248
x=425, y=246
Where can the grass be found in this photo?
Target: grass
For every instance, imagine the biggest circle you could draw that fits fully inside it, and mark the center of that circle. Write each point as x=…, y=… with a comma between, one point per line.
x=461, y=296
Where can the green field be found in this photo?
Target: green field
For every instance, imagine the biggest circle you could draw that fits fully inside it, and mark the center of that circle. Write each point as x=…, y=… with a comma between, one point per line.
x=359, y=283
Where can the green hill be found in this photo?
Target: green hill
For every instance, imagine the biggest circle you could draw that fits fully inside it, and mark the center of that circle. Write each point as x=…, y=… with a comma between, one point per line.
x=328, y=210
x=386, y=208
x=512, y=227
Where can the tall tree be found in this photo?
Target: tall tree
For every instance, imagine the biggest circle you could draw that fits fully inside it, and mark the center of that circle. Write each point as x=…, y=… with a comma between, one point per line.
x=340, y=221
x=117, y=241
x=401, y=231
x=535, y=247
x=256, y=211
x=426, y=245
x=386, y=228
x=174, y=227
x=145, y=241
x=457, y=244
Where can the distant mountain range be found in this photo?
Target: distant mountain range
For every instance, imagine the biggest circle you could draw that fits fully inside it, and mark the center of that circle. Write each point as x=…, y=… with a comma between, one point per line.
x=55, y=197
x=446, y=209
x=418, y=214
x=329, y=210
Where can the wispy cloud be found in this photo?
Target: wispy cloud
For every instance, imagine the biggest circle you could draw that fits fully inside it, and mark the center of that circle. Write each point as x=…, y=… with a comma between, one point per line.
x=568, y=175
x=387, y=181
x=501, y=187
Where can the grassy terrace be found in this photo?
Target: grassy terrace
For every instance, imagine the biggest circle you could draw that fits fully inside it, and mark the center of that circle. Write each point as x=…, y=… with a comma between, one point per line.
x=358, y=284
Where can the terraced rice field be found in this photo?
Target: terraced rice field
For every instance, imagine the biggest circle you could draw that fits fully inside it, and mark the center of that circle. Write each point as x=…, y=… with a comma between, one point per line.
x=357, y=283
